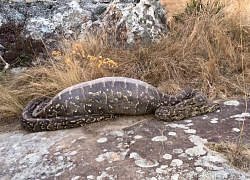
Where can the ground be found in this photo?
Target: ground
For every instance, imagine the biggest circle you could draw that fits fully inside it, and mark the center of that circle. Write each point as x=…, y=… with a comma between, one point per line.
x=128, y=147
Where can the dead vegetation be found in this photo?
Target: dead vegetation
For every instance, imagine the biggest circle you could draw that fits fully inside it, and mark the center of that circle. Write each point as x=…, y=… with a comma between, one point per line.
x=207, y=49
x=238, y=156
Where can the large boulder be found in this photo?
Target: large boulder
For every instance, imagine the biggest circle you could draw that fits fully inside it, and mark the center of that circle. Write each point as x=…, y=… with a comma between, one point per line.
x=143, y=22
x=45, y=19
x=131, y=20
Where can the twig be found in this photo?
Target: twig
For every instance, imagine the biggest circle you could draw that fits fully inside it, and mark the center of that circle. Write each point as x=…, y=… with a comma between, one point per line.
x=243, y=74
x=6, y=64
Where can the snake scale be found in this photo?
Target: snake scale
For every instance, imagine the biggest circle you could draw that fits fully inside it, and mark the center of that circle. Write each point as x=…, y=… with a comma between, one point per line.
x=107, y=97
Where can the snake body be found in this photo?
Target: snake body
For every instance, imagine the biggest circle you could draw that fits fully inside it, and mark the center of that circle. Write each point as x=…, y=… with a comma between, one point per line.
x=106, y=97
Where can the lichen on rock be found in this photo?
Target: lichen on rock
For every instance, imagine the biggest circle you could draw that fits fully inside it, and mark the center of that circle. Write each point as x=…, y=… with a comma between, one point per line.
x=126, y=21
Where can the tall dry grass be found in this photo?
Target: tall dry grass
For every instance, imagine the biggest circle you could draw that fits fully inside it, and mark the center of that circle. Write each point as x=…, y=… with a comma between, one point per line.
x=201, y=52
x=63, y=69
x=204, y=50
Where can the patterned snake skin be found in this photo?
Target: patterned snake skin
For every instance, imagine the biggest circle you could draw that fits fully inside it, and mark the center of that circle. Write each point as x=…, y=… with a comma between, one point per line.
x=107, y=97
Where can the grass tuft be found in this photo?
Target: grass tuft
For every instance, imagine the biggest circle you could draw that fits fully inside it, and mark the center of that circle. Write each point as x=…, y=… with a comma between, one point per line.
x=10, y=104
x=238, y=156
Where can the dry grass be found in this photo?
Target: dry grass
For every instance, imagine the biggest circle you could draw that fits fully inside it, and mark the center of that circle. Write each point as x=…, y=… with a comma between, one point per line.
x=202, y=51
x=238, y=156
x=64, y=69
x=10, y=106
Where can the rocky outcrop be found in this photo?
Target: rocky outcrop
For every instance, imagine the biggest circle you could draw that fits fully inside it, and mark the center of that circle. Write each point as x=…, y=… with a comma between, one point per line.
x=128, y=148
x=49, y=19
x=143, y=22
x=121, y=20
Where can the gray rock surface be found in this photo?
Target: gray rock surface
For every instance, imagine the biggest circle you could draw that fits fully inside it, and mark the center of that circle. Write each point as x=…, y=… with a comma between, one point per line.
x=128, y=148
x=134, y=23
x=130, y=20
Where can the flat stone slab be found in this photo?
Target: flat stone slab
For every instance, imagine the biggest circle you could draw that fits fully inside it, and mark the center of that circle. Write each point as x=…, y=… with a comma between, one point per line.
x=128, y=147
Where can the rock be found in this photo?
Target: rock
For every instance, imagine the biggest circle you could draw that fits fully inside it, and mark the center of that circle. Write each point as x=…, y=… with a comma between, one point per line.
x=132, y=21
x=128, y=147
x=48, y=19
x=18, y=70
x=142, y=22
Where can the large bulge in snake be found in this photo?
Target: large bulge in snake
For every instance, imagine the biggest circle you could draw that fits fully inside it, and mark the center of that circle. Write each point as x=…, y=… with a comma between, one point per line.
x=104, y=96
